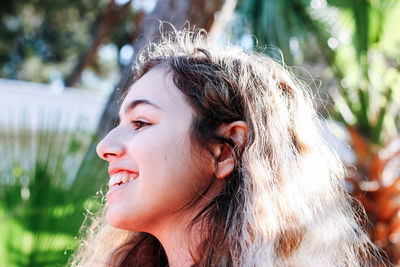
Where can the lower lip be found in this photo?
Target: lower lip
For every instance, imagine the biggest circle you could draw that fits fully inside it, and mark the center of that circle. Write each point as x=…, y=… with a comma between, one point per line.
x=111, y=192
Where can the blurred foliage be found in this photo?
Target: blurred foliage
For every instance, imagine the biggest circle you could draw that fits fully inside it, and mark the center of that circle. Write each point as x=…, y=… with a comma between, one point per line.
x=360, y=43
x=39, y=212
x=368, y=97
x=274, y=24
x=41, y=39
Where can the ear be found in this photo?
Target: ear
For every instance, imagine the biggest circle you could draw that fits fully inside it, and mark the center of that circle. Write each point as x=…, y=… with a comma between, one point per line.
x=237, y=132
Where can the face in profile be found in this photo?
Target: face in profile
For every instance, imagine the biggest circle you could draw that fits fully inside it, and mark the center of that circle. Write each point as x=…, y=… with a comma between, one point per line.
x=153, y=170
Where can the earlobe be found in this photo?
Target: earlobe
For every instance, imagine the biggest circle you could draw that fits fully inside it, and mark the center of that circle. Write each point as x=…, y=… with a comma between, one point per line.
x=237, y=132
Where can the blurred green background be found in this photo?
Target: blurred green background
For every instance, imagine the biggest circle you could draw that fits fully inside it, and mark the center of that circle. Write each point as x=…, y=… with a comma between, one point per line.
x=65, y=64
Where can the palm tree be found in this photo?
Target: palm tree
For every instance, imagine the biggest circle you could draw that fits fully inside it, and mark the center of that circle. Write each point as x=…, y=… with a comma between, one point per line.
x=367, y=77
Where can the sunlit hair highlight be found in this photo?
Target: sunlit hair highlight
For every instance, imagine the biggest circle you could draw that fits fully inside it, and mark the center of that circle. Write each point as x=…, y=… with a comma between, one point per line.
x=284, y=204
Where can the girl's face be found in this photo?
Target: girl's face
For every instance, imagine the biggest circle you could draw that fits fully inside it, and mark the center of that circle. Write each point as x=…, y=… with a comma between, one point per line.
x=153, y=173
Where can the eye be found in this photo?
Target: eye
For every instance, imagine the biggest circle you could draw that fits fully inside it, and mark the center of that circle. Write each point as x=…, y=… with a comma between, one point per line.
x=139, y=124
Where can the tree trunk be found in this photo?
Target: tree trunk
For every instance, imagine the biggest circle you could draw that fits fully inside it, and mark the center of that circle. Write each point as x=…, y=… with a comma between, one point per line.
x=199, y=13
x=108, y=21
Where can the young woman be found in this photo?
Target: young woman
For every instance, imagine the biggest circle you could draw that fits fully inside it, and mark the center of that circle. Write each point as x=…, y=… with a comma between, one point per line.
x=218, y=161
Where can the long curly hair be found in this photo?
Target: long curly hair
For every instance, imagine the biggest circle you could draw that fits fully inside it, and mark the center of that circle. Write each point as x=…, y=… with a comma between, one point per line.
x=284, y=204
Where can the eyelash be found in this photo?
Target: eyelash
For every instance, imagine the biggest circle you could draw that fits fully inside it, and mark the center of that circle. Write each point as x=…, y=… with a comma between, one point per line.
x=140, y=123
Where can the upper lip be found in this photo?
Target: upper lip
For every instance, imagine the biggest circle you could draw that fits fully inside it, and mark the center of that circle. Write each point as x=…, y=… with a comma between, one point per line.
x=113, y=170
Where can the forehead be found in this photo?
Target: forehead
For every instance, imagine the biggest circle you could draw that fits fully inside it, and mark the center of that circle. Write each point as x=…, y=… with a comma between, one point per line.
x=157, y=86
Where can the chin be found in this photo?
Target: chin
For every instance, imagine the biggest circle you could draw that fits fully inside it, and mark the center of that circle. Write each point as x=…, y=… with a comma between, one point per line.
x=118, y=220
x=115, y=219
x=112, y=220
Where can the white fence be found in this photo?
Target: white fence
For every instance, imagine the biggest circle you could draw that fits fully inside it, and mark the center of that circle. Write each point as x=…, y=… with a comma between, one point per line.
x=32, y=104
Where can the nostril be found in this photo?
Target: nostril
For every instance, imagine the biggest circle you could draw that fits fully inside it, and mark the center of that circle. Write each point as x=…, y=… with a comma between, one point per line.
x=109, y=155
x=109, y=152
x=112, y=153
x=110, y=146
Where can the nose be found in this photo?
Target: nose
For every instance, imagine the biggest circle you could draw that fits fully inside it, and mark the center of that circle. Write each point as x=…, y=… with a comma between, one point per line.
x=110, y=147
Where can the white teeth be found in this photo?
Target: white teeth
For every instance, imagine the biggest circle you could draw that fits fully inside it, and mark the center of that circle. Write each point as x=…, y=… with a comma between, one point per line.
x=121, y=177
x=114, y=179
x=125, y=179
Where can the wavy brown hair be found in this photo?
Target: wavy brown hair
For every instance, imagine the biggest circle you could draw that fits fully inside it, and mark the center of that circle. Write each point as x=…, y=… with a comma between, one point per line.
x=285, y=202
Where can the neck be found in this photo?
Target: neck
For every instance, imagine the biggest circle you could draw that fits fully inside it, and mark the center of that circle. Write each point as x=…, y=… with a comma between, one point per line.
x=174, y=236
x=178, y=242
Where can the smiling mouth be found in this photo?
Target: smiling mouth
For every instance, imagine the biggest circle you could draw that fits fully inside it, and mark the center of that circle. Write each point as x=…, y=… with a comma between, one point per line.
x=121, y=178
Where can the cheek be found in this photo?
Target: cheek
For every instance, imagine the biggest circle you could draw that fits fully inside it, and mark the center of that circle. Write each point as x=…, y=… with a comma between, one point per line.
x=169, y=178
x=168, y=170
x=160, y=148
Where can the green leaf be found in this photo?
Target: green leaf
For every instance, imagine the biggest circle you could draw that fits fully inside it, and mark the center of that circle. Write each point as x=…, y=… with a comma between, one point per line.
x=39, y=218
x=341, y=3
x=364, y=123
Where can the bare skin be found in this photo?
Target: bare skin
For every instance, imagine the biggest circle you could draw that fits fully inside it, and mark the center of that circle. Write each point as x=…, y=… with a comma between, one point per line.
x=151, y=146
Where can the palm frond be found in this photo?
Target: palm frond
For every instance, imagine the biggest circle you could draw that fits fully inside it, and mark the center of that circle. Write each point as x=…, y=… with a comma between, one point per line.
x=39, y=217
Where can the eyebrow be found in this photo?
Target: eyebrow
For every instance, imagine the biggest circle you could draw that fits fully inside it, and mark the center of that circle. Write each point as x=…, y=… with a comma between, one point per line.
x=137, y=102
